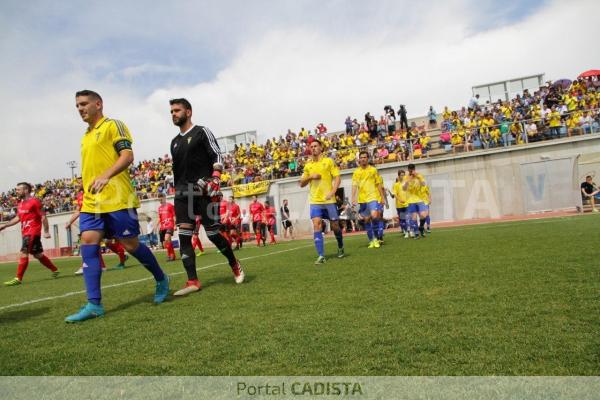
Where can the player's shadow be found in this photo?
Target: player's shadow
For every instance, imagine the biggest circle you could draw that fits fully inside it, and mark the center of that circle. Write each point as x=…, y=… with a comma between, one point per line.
x=143, y=299
x=227, y=280
x=22, y=315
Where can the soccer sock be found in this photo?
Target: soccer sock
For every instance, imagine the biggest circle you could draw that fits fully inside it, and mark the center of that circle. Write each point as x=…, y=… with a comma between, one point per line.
x=414, y=226
x=186, y=250
x=23, y=263
x=145, y=256
x=422, y=225
x=381, y=228
x=369, y=229
x=195, y=243
x=118, y=249
x=223, y=245
x=272, y=234
x=403, y=224
x=318, y=236
x=47, y=263
x=428, y=222
x=92, y=271
x=258, y=237
x=339, y=237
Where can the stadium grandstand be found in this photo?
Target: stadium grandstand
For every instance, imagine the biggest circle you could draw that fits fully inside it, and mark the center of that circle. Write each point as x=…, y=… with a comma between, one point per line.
x=555, y=110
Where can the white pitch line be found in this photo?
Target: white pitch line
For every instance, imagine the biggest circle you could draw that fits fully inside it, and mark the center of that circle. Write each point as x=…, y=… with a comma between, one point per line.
x=69, y=294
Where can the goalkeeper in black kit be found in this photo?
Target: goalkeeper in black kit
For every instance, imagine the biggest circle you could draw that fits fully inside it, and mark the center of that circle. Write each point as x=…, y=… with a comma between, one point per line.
x=197, y=167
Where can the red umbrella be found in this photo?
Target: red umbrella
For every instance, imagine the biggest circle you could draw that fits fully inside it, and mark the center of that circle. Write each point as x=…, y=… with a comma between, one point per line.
x=591, y=72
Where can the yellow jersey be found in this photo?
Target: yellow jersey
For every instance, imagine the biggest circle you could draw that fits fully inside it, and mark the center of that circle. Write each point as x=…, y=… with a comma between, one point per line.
x=400, y=195
x=319, y=188
x=425, y=194
x=413, y=189
x=366, y=182
x=99, y=153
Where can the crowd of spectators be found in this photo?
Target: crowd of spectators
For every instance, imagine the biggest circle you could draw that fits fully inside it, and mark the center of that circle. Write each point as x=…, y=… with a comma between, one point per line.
x=554, y=110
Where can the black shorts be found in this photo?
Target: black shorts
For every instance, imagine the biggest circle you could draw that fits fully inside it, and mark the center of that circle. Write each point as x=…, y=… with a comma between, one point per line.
x=164, y=232
x=186, y=209
x=286, y=224
x=32, y=244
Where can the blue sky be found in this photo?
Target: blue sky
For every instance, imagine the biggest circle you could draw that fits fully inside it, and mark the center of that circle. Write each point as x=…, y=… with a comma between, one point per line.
x=266, y=65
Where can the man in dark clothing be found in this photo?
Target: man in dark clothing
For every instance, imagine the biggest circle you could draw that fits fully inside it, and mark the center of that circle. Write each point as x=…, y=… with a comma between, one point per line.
x=197, y=167
x=589, y=191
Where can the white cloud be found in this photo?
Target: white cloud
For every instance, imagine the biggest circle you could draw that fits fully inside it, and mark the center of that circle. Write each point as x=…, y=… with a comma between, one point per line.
x=296, y=75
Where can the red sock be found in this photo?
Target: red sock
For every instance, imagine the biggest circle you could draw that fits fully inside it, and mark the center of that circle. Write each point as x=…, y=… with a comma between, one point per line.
x=170, y=249
x=23, y=262
x=258, y=238
x=47, y=263
x=272, y=235
x=118, y=249
x=196, y=243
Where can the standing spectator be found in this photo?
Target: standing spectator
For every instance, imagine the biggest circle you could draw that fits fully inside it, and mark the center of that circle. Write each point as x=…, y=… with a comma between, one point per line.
x=432, y=115
x=348, y=124
x=151, y=234
x=474, y=102
x=285, y=220
x=402, y=116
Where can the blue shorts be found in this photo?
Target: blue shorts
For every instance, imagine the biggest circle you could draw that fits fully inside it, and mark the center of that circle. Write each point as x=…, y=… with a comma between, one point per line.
x=324, y=211
x=417, y=207
x=402, y=212
x=117, y=224
x=379, y=207
x=365, y=209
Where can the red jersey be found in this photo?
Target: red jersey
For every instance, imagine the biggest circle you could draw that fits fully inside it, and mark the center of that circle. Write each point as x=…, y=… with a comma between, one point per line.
x=234, y=213
x=223, y=211
x=270, y=215
x=30, y=213
x=79, y=200
x=166, y=216
x=256, y=210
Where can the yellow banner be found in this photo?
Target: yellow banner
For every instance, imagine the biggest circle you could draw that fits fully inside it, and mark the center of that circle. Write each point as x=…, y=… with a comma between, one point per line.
x=250, y=189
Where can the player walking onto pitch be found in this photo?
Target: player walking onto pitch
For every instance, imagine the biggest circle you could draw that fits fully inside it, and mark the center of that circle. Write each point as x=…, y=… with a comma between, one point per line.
x=234, y=215
x=379, y=227
x=323, y=176
x=400, y=195
x=32, y=217
x=257, y=211
x=416, y=207
x=270, y=220
x=367, y=192
x=109, y=202
x=166, y=217
x=197, y=169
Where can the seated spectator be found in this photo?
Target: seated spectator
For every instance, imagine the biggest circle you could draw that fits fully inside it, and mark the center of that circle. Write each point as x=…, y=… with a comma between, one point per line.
x=590, y=193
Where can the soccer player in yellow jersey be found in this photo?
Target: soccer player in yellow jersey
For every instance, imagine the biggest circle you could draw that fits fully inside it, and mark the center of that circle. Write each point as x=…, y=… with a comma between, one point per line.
x=323, y=176
x=379, y=227
x=367, y=192
x=109, y=202
x=426, y=197
x=412, y=184
x=400, y=195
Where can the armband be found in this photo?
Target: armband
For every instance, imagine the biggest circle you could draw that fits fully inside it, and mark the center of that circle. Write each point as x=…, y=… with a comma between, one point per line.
x=122, y=145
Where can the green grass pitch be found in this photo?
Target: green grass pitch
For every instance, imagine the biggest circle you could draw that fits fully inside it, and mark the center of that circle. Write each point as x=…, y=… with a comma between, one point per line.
x=517, y=298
